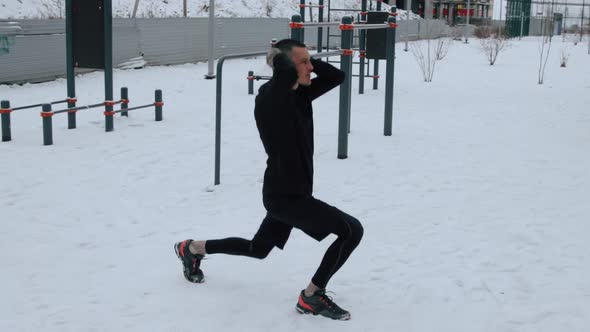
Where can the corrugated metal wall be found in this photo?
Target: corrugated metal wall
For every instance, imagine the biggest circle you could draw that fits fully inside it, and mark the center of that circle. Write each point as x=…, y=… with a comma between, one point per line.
x=35, y=49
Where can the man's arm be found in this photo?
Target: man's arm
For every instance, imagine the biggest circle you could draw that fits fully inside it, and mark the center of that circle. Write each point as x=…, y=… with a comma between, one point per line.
x=328, y=77
x=284, y=74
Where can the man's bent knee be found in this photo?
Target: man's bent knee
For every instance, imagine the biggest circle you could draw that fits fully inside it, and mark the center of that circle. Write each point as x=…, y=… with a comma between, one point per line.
x=356, y=230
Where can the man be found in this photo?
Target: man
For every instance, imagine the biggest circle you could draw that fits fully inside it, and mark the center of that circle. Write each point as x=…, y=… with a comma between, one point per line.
x=284, y=119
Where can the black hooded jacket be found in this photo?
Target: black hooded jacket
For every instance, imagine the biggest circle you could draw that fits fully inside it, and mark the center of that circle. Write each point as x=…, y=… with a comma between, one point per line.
x=284, y=118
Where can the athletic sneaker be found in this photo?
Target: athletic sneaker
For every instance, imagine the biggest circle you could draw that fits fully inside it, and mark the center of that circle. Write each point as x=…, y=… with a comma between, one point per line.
x=320, y=304
x=190, y=262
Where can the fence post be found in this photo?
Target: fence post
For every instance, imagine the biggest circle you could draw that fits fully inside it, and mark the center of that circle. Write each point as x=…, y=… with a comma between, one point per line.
x=5, y=115
x=389, y=70
x=250, y=82
x=47, y=116
x=159, y=103
x=124, y=101
x=346, y=29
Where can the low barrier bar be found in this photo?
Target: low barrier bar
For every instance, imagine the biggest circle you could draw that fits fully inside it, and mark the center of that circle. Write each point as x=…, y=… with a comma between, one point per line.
x=5, y=115
x=40, y=105
x=78, y=108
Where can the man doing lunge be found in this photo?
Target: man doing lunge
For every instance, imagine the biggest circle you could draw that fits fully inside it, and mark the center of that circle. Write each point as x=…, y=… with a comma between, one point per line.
x=284, y=118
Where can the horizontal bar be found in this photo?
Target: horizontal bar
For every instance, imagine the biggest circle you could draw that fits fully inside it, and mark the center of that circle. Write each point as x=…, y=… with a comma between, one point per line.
x=327, y=54
x=370, y=26
x=134, y=108
x=345, y=10
x=39, y=105
x=320, y=24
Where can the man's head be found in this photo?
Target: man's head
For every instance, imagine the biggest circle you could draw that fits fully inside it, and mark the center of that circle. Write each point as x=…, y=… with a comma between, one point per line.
x=298, y=53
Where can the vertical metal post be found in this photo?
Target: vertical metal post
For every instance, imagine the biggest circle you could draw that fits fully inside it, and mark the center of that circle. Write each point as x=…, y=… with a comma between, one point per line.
x=124, y=101
x=389, y=69
x=47, y=116
x=159, y=104
x=250, y=82
x=5, y=115
x=108, y=65
x=468, y=14
x=211, y=56
x=521, y=25
x=376, y=61
x=70, y=71
x=320, y=29
x=362, y=48
x=302, y=14
x=345, y=65
x=408, y=8
x=296, y=28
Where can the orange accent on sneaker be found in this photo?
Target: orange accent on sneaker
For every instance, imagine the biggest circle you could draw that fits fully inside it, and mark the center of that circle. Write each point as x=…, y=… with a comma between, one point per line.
x=182, y=245
x=305, y=305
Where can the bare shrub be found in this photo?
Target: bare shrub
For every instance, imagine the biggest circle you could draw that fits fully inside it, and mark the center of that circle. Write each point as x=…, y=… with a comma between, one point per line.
x=425, y=54
x=564, y=55
x=442, y=48
x=456, y=33
x=492, y=46
x=485, y=31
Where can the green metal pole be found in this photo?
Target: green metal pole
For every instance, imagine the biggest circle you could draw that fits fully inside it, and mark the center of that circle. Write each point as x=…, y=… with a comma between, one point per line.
x=5, y=115
x=302, y=13
x=362, y=48
x=296, y=28
x=70, y=71
x=108, y=64
x=250, y=82
x=124, y=101
x=159, y=104
x=389, y=69
x=345, y=65
x=376, y=61
x=320, y=29
x=47, y=116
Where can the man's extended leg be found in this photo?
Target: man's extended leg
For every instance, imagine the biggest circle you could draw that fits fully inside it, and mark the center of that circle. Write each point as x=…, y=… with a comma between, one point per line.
x=271, y=233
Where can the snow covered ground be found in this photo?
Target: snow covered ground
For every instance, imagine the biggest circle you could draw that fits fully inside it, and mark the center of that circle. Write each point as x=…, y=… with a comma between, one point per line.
x=475, y=210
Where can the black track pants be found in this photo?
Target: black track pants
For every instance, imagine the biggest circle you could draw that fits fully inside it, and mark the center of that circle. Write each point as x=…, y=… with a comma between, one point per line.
x=308, y=214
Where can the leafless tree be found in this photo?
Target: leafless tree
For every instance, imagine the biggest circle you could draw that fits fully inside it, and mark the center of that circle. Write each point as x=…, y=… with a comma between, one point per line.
x=545, y=43
x=492, y=43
